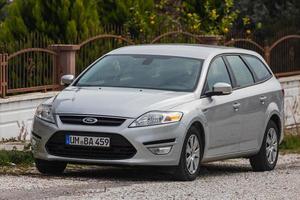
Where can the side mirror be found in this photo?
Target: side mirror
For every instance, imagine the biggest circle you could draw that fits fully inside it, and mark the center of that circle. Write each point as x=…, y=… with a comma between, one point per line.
x=220, y=89
x=66, y=80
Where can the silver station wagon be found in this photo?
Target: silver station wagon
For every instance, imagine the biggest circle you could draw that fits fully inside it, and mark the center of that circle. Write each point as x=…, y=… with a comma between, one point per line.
x=163, y=105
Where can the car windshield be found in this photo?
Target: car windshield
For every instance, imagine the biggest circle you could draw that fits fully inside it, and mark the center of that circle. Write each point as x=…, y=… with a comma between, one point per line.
x=143, y=71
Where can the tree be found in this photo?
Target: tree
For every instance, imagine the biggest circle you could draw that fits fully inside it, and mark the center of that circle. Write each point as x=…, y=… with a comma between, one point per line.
x=216, y=16
x=135, y=15
x=268, y=17
x=60, y=20
x=3, y=3
x=67, y=20
x=153, y=16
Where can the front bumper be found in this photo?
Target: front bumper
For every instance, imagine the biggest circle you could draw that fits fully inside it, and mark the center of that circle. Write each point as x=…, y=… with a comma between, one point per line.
x=43, y=131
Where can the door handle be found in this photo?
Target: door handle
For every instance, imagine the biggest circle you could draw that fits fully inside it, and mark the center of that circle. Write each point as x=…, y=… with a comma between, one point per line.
x=236, y=106
x=263, y=99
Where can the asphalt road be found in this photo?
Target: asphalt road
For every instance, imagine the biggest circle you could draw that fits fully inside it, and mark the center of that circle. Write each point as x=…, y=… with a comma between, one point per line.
x=231, y=179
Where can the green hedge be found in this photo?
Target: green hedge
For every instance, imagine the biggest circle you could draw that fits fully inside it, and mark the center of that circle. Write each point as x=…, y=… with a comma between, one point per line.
x=291, y=142
x=16, y=157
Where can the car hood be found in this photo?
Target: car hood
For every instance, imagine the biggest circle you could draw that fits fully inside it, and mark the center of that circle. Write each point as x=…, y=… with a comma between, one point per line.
x=123, y=102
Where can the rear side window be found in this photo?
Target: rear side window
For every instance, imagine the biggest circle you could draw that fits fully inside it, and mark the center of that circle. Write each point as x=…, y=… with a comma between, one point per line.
x=217, y=73
x=262, y=73
x=241, y=72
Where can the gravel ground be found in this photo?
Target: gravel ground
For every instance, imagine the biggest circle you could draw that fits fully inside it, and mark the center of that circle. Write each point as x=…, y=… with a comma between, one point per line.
x=231, y=179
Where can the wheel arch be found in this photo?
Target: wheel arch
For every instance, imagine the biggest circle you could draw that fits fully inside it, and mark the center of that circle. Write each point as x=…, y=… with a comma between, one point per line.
x=276, y=114
x=277, y=120
x=200, y=123
x=202, y=133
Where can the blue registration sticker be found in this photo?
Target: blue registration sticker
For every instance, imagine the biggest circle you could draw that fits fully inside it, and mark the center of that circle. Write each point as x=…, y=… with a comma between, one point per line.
x=67, y=139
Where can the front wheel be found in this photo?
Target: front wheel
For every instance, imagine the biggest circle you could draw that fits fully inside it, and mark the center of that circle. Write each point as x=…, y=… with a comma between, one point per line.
x=189, y=165
x=267, y=157
x=50, y=167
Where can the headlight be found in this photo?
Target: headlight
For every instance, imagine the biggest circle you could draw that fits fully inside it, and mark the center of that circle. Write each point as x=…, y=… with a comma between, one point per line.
x=44, y=112
x=156, y=118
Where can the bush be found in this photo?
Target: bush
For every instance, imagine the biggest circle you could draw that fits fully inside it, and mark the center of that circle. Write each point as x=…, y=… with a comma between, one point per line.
x=291, y=142
x=16, y=157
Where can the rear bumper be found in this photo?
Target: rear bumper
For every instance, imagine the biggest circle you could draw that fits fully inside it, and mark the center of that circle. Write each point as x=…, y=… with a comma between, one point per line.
x=43, y=131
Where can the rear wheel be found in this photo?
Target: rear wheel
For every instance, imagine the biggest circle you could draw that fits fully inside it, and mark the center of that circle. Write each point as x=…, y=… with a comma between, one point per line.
x=189, y=165
x=50, y=167
x=266, y=159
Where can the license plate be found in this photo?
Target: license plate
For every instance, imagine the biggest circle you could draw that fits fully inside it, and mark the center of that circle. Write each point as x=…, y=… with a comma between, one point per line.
x=87, y=141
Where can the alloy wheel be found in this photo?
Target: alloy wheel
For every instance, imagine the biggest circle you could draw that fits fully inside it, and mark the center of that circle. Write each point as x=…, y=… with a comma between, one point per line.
x=272, y=146
x=192, y=154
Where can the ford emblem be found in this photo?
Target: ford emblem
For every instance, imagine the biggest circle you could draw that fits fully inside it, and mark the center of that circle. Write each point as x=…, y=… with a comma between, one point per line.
x=89, y=120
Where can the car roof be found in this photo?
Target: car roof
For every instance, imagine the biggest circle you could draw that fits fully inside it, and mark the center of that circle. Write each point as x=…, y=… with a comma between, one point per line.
x=181, y=50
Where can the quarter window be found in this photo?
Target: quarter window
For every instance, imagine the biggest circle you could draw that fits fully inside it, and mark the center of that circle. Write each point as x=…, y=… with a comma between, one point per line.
x=258, y=67
x=241, y=72
x=217, y=73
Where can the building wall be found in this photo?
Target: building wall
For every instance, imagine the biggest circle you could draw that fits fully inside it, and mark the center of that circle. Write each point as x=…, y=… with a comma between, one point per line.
x=16, y=113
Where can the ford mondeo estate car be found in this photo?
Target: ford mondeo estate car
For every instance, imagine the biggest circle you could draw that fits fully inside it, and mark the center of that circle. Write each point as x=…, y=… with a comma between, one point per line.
x=163, y=105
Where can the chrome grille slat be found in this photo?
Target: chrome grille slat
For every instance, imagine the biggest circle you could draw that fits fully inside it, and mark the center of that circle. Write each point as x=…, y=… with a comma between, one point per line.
x=101, y=121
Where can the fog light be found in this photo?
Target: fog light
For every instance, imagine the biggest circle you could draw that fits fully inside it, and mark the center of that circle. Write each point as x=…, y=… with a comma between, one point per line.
x=160, y=150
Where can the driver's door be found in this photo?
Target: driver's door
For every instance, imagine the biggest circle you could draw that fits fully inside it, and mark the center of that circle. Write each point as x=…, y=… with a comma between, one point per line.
x=221, y=112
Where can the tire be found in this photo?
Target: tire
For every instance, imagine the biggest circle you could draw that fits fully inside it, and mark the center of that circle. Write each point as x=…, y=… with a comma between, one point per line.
x=50, y=167
x=267, y=157
x=184, y=171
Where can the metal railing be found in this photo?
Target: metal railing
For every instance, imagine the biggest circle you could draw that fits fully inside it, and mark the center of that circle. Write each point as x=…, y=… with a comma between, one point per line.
x=38, y=69
x=28, y=70
x=283, y=55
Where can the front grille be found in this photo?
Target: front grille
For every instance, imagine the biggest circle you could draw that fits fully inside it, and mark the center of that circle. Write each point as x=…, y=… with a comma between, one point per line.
x=101, y=121
x=120, y=148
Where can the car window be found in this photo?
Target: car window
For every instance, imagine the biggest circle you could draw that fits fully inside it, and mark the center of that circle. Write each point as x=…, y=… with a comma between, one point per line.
x=217, y=73
x=258, y=67
x=144, y=71
x=241, y=72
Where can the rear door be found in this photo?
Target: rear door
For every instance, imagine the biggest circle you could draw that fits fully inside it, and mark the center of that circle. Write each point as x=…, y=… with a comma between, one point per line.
x=250, y=110
x=259, y=100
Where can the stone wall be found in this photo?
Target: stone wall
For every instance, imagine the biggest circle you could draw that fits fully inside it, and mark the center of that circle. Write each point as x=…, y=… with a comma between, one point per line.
x=16, y=114
x=291, y=87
